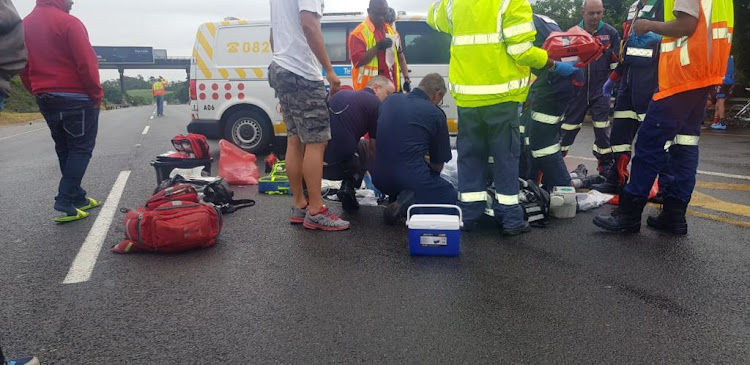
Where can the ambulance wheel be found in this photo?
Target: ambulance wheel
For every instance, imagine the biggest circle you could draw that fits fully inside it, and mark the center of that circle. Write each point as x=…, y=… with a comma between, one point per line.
x=250, y=130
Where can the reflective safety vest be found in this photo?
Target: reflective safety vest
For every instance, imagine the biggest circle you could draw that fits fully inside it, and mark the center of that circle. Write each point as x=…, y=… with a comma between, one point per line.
x=491, y=51
x=365, y=31
x=700, y=60
x=157, y=89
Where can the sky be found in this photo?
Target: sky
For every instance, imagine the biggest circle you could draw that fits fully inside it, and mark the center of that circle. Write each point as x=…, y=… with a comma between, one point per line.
x=172, y=24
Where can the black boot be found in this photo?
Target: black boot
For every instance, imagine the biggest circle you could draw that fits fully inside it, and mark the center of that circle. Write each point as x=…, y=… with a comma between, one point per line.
x=672, y=217
x=626, y=218
x=347, y=196
x=397, y=208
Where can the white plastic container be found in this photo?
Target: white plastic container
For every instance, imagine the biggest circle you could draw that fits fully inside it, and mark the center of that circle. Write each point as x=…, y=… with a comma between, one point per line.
x=563, y=202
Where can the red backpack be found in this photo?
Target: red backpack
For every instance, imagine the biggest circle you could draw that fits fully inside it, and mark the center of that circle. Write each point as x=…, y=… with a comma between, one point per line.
x=575, y=45
x=193, y=145
x=169, y=225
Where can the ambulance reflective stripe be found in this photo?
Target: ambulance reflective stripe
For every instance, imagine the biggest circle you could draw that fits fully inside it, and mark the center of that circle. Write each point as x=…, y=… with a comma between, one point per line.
x=489, y=89
x=602, y=124
x=683, y=140
x=546, y=118
x=639, y=52
x=506, y=199
x=601, y=151
x=471, y=197
x=621, y=148
x=571, y=127
x=629, y=114
x=551, y=150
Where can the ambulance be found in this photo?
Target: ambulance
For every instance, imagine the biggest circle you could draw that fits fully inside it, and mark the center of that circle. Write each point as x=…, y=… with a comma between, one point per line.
x=229, y=91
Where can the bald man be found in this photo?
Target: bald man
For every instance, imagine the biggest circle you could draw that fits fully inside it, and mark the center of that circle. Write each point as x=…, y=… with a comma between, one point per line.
x=590, y=97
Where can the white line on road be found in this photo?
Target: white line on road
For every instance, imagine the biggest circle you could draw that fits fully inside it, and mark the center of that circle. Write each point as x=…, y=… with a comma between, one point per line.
x=145, y=130
x=701, y=172
x=22, y=133
x=83, y=264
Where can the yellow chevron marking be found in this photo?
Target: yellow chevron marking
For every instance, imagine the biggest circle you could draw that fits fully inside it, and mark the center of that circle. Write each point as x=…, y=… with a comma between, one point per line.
x=202, y=65
x=226, y=22
x=206, y=46
x=241, y=73
x=258, y=73
x=224, y=73
x=211, y=29
x=279, y=128
x=242, y=22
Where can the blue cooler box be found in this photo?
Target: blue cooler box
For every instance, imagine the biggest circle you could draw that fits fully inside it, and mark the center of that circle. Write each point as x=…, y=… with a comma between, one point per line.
x=434, y=234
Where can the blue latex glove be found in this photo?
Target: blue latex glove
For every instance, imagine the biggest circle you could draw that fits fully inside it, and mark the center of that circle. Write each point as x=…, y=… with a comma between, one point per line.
x=644, y=41
x=368, y=183
x=564, y=69
x=608, y=87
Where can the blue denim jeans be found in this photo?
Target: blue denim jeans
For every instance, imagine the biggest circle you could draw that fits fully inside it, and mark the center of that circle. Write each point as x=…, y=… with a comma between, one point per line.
x=159, y=106
x=73, y=125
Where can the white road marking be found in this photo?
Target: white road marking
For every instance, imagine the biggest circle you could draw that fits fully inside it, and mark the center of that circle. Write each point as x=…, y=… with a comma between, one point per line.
x=145, y=130
x=701, y=172
x=151, y=117
x=22, y=133
x=83, y=265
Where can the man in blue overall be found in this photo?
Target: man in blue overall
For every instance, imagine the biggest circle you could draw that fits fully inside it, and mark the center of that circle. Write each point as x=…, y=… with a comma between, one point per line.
x=637, y=76
x=590, y=97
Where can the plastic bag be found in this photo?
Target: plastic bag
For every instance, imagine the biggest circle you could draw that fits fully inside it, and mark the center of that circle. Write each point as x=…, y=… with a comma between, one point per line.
x=592, y=199
x=450, y=170
x=236, y=166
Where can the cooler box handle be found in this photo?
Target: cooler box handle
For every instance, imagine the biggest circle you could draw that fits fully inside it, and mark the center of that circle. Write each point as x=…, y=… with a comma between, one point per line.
x=448, y=206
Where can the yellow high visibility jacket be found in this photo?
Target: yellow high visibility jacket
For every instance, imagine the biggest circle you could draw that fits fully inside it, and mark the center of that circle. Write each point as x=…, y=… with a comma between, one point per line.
x=492, y=50
x=700, y=60
x=157, y=89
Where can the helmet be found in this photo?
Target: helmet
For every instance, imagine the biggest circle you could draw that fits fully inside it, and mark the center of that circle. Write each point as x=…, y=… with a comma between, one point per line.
x=574, y=45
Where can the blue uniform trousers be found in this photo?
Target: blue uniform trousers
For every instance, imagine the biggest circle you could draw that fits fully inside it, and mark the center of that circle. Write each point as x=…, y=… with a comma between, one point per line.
x=668, y=139
x=574, y=116
x=483, y=132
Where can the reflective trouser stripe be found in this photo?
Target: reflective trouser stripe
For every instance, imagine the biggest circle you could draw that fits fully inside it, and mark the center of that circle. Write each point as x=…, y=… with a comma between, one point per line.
x=506, y=199
x=522, y=129
x=546, y=151
x=570, y=127
x=601, y=151
x=604, y=124
x=682, y=140
x=564, y=148
x=489, y=89
x=527, y=141
x=546, y=118
x=471, y=197
x=629, y=114
x=622, y=148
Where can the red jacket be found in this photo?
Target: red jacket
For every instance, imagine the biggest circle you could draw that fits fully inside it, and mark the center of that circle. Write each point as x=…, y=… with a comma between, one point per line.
x=61, y=58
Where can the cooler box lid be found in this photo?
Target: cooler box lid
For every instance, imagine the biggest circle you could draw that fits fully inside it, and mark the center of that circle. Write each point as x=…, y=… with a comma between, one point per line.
x=434, y=222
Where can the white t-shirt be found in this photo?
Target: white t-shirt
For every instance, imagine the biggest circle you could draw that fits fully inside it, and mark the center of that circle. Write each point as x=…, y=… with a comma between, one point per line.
x=689, y=7
x=290, y=48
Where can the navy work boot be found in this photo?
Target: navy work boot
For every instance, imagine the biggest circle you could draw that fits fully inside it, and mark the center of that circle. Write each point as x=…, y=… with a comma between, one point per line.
x=347, y=196
x=672, y=217
x=625, y=218
x=397, y=209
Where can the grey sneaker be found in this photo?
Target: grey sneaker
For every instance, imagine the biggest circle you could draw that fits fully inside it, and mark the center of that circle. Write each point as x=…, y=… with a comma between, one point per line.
x=298, y=215
x=325, y=221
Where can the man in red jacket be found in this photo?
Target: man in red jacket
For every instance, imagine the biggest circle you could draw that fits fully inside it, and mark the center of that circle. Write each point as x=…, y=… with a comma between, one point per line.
x=63, y=74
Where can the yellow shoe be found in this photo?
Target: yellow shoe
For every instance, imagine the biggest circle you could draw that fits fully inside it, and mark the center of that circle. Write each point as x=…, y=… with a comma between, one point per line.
x=93, y=203
x=70, y=218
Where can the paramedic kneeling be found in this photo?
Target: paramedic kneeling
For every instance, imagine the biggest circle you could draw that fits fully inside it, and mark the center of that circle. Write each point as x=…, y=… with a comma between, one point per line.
x=411, y=148
x=348, y=157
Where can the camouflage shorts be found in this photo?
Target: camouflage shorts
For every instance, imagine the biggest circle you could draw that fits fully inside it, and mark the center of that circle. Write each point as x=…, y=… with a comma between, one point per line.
x=303, y=105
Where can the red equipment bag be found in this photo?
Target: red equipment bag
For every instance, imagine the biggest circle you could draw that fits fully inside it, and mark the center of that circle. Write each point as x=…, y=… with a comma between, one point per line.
x=236, y=166
x=193, y=145
x=174, y=226
x=179, y=192
x=574, y=45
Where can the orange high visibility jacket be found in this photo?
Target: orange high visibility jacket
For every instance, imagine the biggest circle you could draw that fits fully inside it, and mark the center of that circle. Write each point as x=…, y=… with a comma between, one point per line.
x=700, y=60
x=157, y=89
x=365, y=31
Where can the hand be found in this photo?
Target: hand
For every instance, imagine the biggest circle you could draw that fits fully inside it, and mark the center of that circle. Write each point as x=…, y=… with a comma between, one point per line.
x=641, y=26
x=564, y=69
x=644, y=41
x=608, y=87
x=334, y=81
x=385, y=43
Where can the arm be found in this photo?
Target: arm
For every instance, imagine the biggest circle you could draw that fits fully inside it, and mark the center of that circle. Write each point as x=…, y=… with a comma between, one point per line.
x=13, y=56
x=440, y=149
x=360, y=55
x=519, y=35
x=311, y=27
x=683, y=26
x=87, y=65
x=437, y=17
x=270, y=38
x=404, y=66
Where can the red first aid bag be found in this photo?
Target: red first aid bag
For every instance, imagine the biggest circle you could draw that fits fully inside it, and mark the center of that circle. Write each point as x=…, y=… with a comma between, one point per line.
x=193, y=145
x=574, y=45
x=179, y=192
x=236, y=166
x=174, y=226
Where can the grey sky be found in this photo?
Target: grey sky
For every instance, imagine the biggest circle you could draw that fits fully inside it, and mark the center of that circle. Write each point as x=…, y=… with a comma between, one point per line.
x=171, y=24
